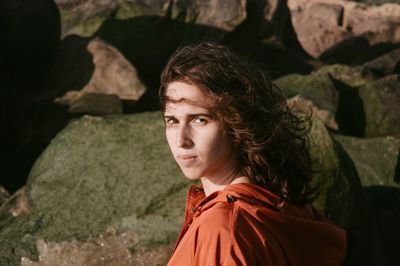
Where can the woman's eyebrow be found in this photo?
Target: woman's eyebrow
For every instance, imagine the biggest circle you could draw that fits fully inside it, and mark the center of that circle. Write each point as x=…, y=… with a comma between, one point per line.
x=192, y=115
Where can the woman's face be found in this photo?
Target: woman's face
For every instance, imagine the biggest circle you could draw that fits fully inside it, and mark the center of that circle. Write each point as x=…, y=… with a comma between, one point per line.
x=195, y=137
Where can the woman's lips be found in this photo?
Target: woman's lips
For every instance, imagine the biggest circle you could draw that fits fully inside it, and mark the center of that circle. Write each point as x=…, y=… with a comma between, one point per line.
x=186, y=160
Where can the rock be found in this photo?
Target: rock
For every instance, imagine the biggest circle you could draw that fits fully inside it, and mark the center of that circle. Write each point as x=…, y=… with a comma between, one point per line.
x=4, y=195
x=317, y=88
x=113, y=74
x=318, y=26
x=100, y=177
x=381, y=106
x=95, y=104
x=321, y=88
x=225, y=15
x=334, y=174
x=107, y=249
x=384, y=65
x=83, y=18
x=323, y=24
x=16, y=205
x=375, y=158
x=379, y=24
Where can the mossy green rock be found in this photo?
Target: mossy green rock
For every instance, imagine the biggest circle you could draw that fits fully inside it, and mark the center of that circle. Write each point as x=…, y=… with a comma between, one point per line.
x=381, y=100
x=84, y=18
x=375, y=158
x=319, y=86
x=101, y=173
x=334, y=175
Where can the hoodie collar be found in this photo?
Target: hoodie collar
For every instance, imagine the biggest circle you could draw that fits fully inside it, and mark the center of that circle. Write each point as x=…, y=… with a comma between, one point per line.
x=244, y=192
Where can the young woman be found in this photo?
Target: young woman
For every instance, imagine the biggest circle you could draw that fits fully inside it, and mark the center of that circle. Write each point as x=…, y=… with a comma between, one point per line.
x=228, y=127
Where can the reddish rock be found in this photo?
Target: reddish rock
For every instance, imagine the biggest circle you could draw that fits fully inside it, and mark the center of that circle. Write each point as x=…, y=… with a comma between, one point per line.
x=114, y=79
x=321, y=24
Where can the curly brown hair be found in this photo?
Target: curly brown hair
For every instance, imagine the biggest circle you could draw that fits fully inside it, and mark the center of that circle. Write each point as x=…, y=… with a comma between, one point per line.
x=273, y=141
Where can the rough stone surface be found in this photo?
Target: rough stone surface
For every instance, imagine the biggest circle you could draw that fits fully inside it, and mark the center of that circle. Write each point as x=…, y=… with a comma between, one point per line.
x=318, y=26
x=334, y=174
x=322, y=24
x=16, y=205
x=113, y=74
x=110, y=249
x=224, y=15
x=381, y=106
x=4, y=195
x=99, y=175
x=317, y=88
x=375, y=158
x=91, y=103
x=83, y=18
x=320, y=87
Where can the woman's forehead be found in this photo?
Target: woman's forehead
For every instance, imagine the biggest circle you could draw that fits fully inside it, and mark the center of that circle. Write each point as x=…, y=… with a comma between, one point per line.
x=180, y=92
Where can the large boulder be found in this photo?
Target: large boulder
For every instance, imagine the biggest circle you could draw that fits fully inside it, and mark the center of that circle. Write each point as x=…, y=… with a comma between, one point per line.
x=113, y=79
x=375, y=158
x=381, y=106
x=325, y=24
x=84, y=17
x=335, y=174
x=224, y=15
x=107, y=190
x=318, y=26
x=329, y=89
x=100, y=179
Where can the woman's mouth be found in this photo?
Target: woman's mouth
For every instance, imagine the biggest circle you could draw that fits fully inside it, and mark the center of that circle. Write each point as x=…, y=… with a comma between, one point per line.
x=186, y=160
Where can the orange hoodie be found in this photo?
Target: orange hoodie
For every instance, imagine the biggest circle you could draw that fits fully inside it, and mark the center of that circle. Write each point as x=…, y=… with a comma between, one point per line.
x=241, y=225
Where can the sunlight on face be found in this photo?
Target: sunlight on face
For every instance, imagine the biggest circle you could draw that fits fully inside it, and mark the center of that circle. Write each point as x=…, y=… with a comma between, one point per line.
x=196, y=139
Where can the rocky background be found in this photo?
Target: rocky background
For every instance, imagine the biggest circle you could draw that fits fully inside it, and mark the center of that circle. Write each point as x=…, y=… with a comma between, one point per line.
x=85, y=173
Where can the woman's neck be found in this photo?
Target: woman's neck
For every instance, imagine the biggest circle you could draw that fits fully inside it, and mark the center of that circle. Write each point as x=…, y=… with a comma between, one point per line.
x=210, y=186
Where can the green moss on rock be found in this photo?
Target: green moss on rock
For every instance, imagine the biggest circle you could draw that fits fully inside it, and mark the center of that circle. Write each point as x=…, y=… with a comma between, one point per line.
x=381, y=100
x=99, y=171
x=334, y=173
x=375, y=158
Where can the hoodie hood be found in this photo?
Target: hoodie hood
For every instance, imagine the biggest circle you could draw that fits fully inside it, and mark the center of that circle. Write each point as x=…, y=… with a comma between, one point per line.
x=304, y=235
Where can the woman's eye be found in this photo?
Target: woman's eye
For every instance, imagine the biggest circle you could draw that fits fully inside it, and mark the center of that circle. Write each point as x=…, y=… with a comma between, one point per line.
x=200, y=120
x=170, y=121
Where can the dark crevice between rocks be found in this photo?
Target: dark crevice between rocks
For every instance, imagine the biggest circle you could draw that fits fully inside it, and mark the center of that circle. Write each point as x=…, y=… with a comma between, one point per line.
x=338, y=205
x=350, y=114
x=372, y=227
x=355, y=51
x=252, y=38
x=397, y=170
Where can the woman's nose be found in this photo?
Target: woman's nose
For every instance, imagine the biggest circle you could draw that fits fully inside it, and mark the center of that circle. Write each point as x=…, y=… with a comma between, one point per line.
x=183, y=138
